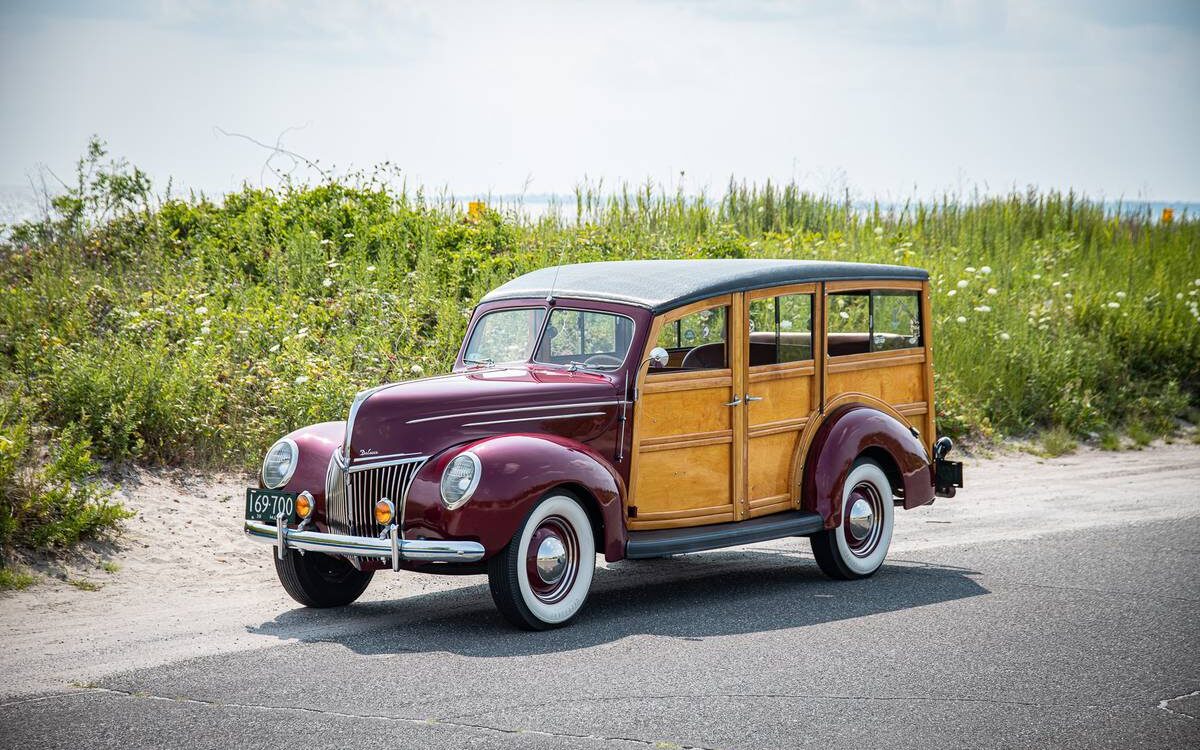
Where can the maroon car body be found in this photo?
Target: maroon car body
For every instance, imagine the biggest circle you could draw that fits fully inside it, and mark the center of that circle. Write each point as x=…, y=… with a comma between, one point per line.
x=537, y=429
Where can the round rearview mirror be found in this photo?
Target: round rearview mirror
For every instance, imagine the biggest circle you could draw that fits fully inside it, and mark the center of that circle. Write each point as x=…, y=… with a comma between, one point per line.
x=659, y=357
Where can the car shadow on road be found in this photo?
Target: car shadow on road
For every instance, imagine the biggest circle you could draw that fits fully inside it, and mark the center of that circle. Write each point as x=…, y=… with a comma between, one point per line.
x=691, y=597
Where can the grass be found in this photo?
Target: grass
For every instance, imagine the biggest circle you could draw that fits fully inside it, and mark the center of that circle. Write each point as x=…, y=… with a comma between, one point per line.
x=84, y=585
x=13, y=579
x=182, y=330
x=1057, y=441
x=1110, y=441
x=108, y=566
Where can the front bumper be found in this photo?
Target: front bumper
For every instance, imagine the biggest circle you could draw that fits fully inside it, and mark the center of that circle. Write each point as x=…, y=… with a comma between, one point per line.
x=390, y=547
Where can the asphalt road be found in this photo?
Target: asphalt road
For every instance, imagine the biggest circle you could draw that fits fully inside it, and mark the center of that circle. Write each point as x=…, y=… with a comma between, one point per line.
x=1087, y=638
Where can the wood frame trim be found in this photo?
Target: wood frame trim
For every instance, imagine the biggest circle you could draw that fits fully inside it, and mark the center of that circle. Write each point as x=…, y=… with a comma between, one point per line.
x=930, y=431
x=780, y=425
x=873, y=360
x=864, y=285
x=689, y=440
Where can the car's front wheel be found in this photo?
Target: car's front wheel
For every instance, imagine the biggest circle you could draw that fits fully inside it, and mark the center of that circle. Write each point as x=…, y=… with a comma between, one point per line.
x=317, y=580
x=858, y=546
x=542, y=578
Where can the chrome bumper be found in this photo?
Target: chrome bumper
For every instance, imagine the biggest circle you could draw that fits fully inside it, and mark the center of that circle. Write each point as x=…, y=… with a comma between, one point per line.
x=390, y=547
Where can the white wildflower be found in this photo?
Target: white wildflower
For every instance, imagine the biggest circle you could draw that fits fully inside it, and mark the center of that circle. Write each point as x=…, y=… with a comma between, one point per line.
x=1066, y=275
x=205, y=330
x=991, y=290
x=1057, y=283
x=983, y=309
x=325, y=242
x=349, y=235
x=952, y=292
x=201, y=310
x=844, y=315
x=1120, y=295
x=1037, y=276
x=985, y=270
x=327, y=283
x=962, y=283
x=1114, y=305
x=1004, y=336
x=878, y=231
x=1179, y=296
x=970, y=269
x=370, y=269
x=416, y=369
x=961, y=319
x=302, y=380
x=274, y=348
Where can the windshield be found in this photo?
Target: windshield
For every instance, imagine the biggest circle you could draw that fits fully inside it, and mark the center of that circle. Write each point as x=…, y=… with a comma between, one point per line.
x=580, y=338
x=585, y=338
x=504, y=336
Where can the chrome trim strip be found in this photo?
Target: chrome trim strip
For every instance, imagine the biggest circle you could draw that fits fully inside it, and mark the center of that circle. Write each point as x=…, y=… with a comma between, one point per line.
x=418, y=550
x=360, y=398
x=512, y=410
x=532, y=419
x=384, y=464
x=386, y=455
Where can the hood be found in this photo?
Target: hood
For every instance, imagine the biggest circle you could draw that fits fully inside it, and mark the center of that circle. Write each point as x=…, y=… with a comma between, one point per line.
x=423, y=417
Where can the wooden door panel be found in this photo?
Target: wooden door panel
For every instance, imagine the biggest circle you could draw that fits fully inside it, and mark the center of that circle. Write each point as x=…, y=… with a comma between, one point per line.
x=898, y=380
x=690, y=484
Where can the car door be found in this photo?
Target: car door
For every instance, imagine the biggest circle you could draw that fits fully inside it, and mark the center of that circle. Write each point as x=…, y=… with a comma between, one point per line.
x=782, y=393
x=689, y=459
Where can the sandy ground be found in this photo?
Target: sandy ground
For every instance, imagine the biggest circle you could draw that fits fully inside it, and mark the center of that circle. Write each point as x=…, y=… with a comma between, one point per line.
x=190, y=584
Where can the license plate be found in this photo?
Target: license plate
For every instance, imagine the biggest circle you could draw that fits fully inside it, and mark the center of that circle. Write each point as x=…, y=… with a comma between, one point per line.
x=266, y=505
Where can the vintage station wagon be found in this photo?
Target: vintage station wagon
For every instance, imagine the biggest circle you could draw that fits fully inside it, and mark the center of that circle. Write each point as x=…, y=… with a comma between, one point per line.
x=633, y=409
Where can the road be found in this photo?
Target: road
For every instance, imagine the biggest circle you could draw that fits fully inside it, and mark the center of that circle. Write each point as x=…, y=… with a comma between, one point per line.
x=1054, y=603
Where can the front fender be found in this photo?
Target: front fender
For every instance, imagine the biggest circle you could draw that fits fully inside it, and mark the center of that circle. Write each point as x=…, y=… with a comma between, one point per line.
x=848, y=433
x=516, y=471
x=316, y=444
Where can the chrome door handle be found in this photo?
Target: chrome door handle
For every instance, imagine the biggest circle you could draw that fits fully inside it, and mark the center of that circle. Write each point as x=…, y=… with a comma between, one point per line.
x=734, y=402
x=750, y=398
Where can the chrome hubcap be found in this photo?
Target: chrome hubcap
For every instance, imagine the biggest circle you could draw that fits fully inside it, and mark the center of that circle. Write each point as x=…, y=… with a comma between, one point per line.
x=551, y=560
x=862, y=518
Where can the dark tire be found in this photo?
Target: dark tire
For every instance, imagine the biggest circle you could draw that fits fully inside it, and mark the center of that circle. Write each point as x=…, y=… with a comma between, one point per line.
x=859, y=545
x=317, y=580
x=541, y=579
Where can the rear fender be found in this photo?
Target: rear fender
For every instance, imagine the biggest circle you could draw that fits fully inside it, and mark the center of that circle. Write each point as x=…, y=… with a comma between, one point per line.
x=516, y=471
x=850, y=432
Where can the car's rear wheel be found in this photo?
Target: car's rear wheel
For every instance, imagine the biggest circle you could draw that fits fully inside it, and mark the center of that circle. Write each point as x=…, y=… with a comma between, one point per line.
x=317, y=580
x=858, y=546
x=542, y=578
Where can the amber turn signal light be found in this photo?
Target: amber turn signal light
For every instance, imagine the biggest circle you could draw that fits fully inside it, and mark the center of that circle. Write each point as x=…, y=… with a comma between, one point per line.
x=304, y=505
x=384, y=511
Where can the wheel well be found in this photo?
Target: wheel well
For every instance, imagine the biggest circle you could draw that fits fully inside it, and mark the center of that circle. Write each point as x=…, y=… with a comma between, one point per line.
x=890, y=469
x=590, y=505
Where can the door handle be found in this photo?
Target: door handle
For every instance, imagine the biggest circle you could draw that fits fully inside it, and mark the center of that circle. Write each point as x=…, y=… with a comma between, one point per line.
x=750, y=398
x=734, y=402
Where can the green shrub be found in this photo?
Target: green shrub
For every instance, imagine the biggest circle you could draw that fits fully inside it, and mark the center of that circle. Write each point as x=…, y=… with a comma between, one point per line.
x=55, y=503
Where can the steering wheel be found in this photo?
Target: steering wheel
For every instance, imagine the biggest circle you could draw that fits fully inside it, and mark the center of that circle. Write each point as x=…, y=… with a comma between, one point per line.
x=602, y=360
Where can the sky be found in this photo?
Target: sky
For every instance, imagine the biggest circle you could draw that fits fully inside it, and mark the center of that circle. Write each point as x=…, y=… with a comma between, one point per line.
x=888, y=99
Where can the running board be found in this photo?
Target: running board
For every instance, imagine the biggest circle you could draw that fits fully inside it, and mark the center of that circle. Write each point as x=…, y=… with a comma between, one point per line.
x=644, y=544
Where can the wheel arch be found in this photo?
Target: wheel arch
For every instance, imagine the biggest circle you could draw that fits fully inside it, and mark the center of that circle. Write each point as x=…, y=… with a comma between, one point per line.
x=853, y=431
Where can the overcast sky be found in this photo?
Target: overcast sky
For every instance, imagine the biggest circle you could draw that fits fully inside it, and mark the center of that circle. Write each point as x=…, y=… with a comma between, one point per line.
x=889, y=98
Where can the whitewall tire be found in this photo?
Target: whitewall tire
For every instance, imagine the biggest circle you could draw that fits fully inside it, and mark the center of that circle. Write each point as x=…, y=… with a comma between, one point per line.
x=542, y=578
x=858, y=546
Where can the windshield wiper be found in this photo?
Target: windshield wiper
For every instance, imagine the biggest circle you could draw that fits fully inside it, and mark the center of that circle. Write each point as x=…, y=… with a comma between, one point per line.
x=573, y=366
x=484, y=362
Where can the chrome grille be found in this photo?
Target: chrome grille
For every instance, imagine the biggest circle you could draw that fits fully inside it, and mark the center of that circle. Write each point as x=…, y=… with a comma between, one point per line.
x=350, y=496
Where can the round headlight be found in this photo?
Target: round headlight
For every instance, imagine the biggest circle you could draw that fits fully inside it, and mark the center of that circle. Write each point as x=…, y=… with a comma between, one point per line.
x=460, y=479
x=280, y=463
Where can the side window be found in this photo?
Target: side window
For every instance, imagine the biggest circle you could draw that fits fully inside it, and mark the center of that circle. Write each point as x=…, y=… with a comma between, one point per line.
x=696, y=341
x=896, y=320
x=875, y=321
x=781, y=329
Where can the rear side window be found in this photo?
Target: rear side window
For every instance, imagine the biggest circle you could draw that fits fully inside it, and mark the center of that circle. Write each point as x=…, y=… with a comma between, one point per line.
x=781, y=329
x=875, y=321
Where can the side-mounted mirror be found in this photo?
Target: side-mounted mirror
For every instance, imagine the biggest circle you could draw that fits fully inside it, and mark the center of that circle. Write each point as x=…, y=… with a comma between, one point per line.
x=659, y=357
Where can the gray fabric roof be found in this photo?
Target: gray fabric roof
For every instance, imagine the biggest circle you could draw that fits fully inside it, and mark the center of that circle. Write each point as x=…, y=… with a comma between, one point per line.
x=662, y=285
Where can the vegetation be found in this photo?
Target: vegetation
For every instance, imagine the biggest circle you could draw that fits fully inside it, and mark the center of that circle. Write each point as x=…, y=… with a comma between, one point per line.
x=185, y=330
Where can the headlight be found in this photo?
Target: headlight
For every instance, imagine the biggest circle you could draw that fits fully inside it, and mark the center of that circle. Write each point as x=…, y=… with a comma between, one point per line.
x=460, y=479
x=280, y=463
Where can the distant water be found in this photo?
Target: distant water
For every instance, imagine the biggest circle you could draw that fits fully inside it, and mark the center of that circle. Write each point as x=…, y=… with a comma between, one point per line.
x=19, y=204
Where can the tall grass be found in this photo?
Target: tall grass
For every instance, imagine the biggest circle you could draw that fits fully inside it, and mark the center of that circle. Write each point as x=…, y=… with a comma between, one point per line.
x=183, y=330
